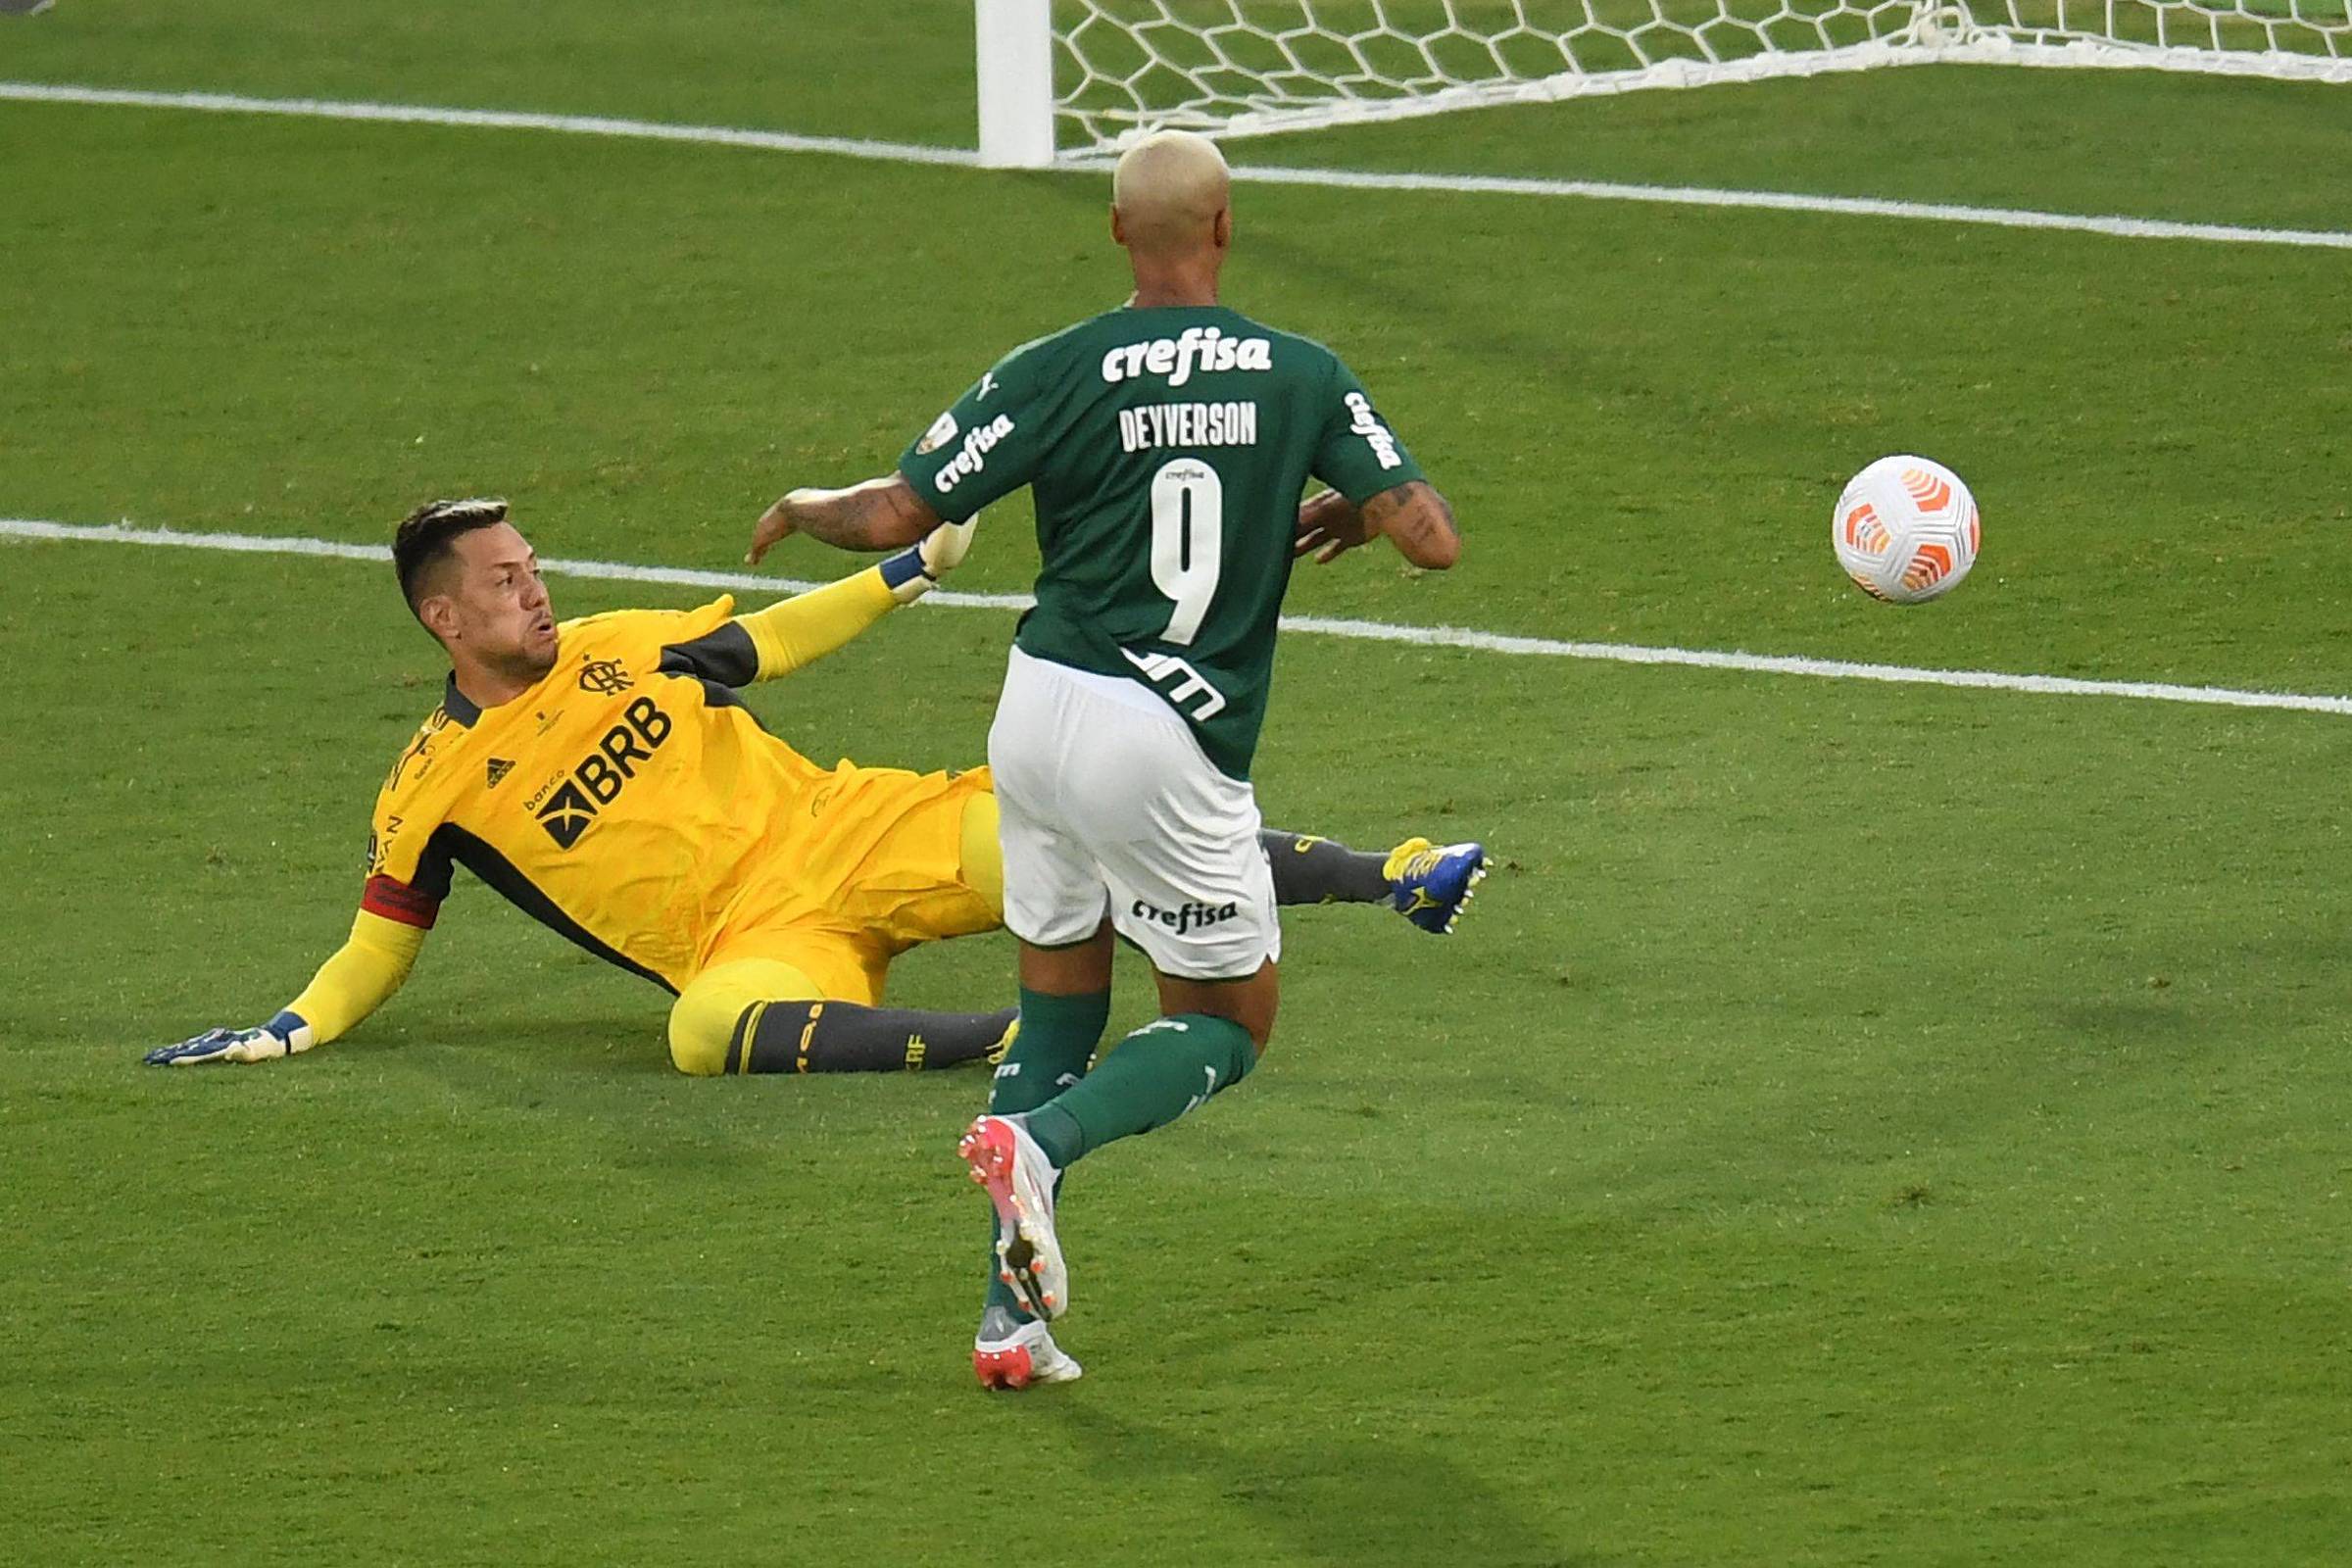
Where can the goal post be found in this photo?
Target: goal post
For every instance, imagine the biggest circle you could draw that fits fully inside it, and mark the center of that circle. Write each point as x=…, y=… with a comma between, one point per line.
x=1079, y=75
x=1016, y=82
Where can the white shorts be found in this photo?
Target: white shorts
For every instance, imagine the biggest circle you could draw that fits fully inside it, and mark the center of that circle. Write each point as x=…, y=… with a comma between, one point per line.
x=1106, y=805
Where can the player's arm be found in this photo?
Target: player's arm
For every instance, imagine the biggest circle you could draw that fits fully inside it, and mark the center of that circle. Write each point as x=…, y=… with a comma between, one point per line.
x=408, y=867
x=881, y=513
x=361, y=977
x=792, y=634
x=1377, y=489
x=1413, y=516
x=986, y=445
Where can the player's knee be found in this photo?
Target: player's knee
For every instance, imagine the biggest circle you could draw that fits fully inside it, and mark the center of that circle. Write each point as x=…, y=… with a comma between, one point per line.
x=707, y=1022
x=981, y=860
x=698, y=1038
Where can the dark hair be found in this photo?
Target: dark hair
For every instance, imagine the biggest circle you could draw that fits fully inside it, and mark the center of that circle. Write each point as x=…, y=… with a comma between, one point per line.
x=426, y=536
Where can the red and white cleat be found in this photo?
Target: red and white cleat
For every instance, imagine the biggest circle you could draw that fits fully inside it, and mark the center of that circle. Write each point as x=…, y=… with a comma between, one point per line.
x=1009, y=1353
x=1019, y=1180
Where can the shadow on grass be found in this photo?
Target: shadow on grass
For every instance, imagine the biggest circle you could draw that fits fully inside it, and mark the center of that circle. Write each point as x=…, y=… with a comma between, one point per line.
x=612, y=1042
x=1361, y=1501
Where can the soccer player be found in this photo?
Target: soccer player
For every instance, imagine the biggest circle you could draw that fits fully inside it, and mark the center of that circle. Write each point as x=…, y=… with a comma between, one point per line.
x=605, y=776
x=1166, y=445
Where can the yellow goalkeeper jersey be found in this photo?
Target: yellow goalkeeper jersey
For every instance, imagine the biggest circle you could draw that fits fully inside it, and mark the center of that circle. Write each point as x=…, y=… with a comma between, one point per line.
x=630, y=800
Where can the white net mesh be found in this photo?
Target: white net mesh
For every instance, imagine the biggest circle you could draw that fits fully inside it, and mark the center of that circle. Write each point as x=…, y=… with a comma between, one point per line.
x=1241, y=67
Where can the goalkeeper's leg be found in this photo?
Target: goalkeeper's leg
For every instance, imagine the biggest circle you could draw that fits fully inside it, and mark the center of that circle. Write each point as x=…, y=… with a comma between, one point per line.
x=766, y=1015
x=1309, y=869
x=1429, y=884
x=1312, y=870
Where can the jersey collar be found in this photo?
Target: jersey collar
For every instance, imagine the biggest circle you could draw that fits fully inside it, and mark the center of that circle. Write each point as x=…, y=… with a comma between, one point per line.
x=458, y=705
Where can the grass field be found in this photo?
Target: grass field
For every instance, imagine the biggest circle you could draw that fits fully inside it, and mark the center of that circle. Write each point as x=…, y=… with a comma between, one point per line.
x=1857, y=1124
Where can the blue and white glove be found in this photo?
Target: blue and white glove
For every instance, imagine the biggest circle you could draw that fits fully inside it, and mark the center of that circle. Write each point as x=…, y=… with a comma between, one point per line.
x=282, y=1036
x=915, y=570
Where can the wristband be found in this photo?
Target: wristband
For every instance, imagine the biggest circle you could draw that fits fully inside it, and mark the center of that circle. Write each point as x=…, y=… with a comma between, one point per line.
x=906, y=575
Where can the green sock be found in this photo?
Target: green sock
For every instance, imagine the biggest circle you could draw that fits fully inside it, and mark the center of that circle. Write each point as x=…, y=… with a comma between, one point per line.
x=1058, y=1034
x=1147, y=1080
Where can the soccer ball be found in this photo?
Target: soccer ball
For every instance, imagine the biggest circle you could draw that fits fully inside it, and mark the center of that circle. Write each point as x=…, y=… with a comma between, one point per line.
x=1905, y=529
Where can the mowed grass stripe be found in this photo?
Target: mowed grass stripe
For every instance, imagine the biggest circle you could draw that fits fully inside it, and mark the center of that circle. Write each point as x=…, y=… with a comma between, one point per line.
x=2114, y=225
x=1314, y=625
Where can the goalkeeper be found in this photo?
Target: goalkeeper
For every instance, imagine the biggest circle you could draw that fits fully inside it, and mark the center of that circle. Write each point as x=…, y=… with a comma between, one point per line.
x=604, y=775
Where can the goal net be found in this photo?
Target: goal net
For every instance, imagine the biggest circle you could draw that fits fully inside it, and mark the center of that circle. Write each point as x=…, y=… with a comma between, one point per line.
x=1247, y=67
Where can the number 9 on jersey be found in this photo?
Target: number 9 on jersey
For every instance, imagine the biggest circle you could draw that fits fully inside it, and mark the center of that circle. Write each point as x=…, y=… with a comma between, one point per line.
x=1187, y=541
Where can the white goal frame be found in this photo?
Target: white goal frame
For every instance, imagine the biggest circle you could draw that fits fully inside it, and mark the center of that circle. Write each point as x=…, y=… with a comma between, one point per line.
x=1020, y=53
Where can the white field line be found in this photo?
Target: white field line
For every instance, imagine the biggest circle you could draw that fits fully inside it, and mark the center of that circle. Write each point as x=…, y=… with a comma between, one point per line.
x=2120, y=227
x=1315, y=625
x=229, y=103
x=1339, y=178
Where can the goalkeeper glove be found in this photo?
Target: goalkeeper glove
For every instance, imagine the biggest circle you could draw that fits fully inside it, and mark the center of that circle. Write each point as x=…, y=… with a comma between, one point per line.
x=915, y=570
x=282, y=1036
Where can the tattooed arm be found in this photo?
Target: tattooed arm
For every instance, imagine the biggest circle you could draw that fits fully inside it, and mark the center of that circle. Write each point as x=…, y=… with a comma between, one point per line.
x=879, y=515
x=1415, y=518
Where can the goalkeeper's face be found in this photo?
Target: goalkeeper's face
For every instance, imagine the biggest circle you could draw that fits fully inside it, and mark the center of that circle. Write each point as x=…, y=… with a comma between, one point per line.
x=498, y=609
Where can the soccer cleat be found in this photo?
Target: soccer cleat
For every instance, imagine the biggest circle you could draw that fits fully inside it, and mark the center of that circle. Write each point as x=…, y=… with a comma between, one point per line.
x=1433, y=885
x=1019, y=1181
x=1009, y=1353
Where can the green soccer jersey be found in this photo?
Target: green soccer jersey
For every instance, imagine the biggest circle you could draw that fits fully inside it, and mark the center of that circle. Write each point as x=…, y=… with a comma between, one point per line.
x=1167, y=450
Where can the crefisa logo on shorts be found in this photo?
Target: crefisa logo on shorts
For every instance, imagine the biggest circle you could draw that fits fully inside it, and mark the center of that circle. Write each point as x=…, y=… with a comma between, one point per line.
x=1195, y=915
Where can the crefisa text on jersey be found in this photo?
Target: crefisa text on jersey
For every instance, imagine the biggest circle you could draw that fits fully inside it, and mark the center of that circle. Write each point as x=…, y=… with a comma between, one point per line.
x=1202, y=348
x=973, y=456
x=1364, y=422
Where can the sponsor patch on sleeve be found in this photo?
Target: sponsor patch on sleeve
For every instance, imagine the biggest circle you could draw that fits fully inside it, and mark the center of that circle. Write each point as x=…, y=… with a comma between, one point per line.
x=941, y=431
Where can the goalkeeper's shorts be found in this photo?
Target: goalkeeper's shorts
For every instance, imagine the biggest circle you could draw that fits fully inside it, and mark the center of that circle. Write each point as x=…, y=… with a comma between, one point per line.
x=916, y=881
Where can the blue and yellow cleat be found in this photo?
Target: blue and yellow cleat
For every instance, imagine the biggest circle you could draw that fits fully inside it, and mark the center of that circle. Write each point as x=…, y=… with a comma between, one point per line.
x=1433, y=885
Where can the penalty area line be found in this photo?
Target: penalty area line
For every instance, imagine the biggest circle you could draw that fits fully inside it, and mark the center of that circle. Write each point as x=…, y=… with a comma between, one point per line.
x=1378, y=631
x=2116, y=226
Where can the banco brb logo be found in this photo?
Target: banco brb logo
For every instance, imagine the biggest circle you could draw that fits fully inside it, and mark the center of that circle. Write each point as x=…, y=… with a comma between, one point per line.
x=603, y=772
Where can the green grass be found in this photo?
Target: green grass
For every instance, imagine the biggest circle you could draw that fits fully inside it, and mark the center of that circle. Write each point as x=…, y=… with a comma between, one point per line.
x=728, y=62
x=1857, y=1124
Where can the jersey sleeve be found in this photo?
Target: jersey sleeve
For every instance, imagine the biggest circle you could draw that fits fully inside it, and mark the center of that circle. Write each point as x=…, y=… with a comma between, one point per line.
x=409, y=860
x=788, y=635
x=361, y=977
x=1356, y=453
x=990, y=442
